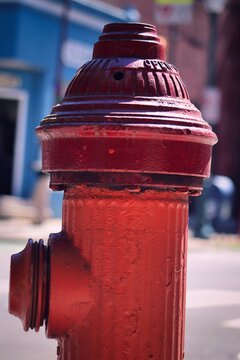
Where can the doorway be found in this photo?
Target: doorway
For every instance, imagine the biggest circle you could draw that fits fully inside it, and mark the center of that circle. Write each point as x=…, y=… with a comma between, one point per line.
x=13, y=105
x=8, y=119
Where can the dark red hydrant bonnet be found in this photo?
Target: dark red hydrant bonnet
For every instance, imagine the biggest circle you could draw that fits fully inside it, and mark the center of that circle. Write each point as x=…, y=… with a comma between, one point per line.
x=126, y=118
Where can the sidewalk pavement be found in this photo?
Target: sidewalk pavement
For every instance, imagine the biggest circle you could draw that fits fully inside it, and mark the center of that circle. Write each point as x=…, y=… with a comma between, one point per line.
x=16, y=230
x=20, y=230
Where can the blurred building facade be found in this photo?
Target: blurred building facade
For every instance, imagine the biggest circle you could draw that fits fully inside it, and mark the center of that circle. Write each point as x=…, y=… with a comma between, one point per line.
x=229, y=73
x=43, y=43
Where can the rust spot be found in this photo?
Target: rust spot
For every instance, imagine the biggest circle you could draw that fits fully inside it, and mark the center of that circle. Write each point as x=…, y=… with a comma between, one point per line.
x=87, y=267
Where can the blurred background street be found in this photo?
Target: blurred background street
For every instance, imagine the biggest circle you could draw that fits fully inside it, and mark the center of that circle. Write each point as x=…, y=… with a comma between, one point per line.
x=213, y=297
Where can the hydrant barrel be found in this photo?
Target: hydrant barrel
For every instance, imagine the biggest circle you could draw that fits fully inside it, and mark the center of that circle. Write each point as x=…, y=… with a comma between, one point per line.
x=128, y=148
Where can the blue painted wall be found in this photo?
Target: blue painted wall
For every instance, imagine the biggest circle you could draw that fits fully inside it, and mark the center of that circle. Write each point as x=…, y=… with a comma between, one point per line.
x=9, y=39
x=30, y=43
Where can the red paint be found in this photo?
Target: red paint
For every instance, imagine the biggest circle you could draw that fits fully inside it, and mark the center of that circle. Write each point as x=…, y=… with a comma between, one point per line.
x=128, y=40
x=131, y=253
x=128, y=148
x=130, y=102
x=28, y=283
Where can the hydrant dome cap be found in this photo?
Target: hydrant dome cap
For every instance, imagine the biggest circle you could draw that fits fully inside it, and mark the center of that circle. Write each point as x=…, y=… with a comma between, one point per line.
x=126, y=119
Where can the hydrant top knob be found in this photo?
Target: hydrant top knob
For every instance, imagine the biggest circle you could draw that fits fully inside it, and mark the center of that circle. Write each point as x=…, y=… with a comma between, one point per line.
x=129, y=40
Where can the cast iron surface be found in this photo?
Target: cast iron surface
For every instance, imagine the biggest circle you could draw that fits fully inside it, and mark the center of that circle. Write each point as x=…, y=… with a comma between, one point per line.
x=127, y=112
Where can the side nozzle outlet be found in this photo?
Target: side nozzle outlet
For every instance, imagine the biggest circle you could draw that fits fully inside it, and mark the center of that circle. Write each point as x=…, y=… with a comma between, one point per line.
x=28, y=285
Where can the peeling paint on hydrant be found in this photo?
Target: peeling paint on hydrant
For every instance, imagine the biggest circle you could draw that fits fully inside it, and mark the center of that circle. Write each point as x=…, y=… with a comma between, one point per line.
x=128, y=148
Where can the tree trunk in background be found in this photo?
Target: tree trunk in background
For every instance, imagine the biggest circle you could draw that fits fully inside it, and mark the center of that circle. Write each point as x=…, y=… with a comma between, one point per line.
x=228, y=162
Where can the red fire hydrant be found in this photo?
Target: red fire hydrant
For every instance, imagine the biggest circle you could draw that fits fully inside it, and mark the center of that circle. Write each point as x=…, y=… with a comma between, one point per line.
x=128, y=148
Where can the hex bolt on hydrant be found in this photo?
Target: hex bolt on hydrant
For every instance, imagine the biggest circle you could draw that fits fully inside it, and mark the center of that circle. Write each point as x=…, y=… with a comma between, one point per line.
x=128, y=148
